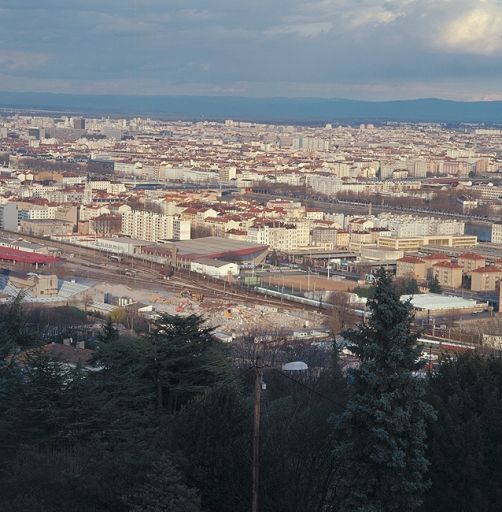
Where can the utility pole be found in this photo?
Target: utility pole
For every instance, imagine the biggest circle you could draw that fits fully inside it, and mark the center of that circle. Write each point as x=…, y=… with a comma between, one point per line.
x=256, y=432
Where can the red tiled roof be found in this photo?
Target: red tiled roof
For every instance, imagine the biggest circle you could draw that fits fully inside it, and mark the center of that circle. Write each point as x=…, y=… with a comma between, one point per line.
x=9, y=254
x=471, y=256
x=486, y=270
x=410, y=259
x=446, y=264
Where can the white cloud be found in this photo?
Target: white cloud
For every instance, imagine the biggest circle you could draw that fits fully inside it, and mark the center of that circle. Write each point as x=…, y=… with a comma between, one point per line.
x=477, y=31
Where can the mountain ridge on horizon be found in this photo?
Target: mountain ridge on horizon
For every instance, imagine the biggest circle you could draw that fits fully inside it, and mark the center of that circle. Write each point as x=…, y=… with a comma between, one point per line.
x=265, y=109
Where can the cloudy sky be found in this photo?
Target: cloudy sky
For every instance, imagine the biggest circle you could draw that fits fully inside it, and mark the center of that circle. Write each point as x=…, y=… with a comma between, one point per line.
x=369, y=49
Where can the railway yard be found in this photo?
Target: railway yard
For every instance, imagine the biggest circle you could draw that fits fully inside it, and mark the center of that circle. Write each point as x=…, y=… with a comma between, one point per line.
x=234, y=311
x=231, y=309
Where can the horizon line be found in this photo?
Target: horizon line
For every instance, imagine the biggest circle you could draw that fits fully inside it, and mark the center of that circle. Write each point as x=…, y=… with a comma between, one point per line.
x=232, y=96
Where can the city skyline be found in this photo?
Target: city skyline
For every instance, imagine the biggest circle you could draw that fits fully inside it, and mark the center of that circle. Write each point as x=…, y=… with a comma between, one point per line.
x=370, y=50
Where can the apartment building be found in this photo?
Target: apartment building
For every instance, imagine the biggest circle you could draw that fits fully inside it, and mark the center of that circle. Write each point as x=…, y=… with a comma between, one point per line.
x=36, y=212
x=431, y=259
x=359, y=239
x=412, y=267
x=284, y=237
x=153, y=226
x=470, y=261
x=448, y=274
x=8, y=216
x=497, y=233
x=322, y=236
x=485, y=279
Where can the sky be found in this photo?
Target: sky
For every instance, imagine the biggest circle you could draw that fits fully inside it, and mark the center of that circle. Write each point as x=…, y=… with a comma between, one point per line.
x=362, y=49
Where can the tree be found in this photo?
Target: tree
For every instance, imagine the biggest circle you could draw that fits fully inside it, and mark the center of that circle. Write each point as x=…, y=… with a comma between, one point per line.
x=380, y=438
x=212, y=439
x=15, y=333
x=108, y=333
x=178, y=360
x=184, y=359
x=163, y=491
x=434, y=285
x=465, y=447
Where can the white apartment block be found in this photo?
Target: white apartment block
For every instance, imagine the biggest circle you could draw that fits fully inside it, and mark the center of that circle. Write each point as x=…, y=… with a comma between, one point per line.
x=405, y=226
x=8, y=216
x=329, y=185
x=153, y=226
x=497, y=233
x=287, y=237
x=27, y=211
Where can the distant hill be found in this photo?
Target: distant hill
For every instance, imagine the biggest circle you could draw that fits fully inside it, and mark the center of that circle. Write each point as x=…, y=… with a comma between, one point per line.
x=301, y=110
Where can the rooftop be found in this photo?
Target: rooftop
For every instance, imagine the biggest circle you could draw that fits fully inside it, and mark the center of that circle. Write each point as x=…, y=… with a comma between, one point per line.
x=213, y=246
x=471, y=256
x=434, y=301
x=486, y=270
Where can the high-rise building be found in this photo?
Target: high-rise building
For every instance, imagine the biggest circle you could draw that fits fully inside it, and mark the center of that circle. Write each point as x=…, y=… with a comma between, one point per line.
x=78, y=123
x=8, y=216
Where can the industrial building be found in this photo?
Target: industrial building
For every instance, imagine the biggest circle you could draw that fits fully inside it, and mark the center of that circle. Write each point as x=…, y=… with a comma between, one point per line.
x=433, y=304
x=213, y=247
x=214, y=268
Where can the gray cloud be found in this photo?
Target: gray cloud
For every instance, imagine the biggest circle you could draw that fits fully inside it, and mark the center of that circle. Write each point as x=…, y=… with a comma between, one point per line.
x=357, y=48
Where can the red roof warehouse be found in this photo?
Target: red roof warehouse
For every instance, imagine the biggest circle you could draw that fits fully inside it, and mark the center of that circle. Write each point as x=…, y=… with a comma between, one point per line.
x=17, y=256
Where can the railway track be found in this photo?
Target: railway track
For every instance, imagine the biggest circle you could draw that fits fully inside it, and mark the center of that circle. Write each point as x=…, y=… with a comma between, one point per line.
x=84, y=261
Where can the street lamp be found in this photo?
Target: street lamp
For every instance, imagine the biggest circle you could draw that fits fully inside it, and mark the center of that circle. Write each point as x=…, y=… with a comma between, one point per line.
x=294, y=366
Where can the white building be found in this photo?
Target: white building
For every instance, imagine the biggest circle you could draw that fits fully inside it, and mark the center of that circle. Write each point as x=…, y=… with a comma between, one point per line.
x=8, y=216
x=153, y=226
x=497, y=233
x=214, y=268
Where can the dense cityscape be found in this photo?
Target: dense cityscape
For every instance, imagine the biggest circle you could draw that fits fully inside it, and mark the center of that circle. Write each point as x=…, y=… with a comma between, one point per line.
x=251, y=256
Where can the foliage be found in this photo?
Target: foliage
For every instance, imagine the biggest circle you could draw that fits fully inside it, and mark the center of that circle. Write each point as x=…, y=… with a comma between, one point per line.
x=380, y=449
x=164, y=423
x=15, y=334
x=163, y=491
x=465, y=443
x=406, y=286
x=434, y=286
x=109, y=333
x=364, y=291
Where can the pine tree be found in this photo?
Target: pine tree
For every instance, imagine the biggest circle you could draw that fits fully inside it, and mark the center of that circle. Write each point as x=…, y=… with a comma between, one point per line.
x=163, y=491
x=109, y=332
x=184, y=359
x=434, y=285
x=380, y=439
x=465, y=443
x=15, y=334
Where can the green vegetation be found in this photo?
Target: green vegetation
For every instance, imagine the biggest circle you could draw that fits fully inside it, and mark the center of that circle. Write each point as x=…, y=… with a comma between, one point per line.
x=434, y=286
x=164, y=423
x=380, y=443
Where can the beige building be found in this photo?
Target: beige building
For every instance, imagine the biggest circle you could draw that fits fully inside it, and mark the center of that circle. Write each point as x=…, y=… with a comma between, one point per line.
x=448, y=274
x=471, y=261
x=342, y=239
x=359, y=239
x=486, y=279
x=37, y=285
x=414, y=244
x=410, y=266
x=431, y=259
x=497, y=233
